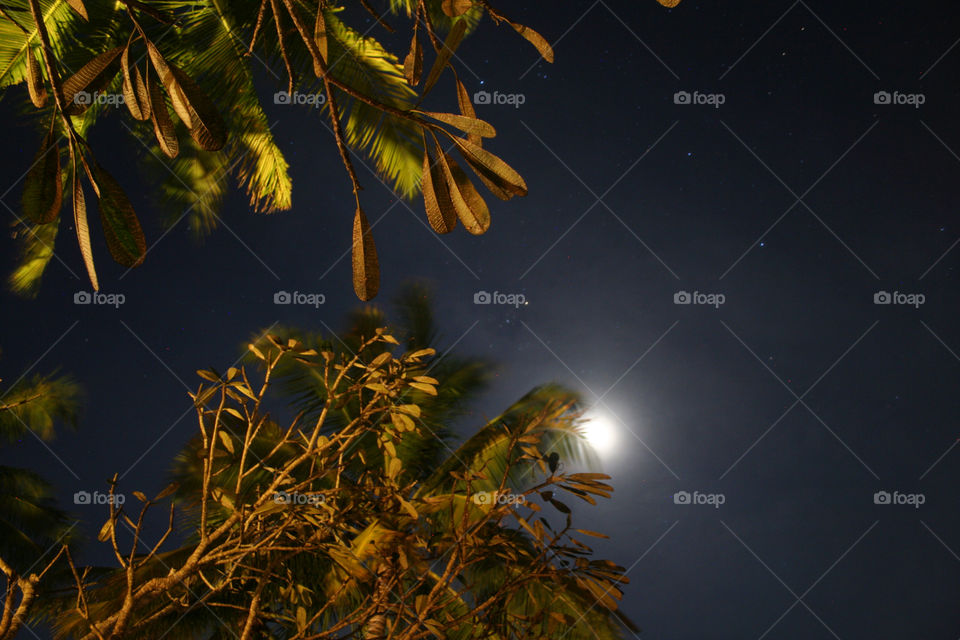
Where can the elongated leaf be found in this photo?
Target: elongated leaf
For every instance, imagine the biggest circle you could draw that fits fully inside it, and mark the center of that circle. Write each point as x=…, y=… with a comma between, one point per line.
x=366, y=267
x=454, y=8
x=454, y=38
x=669, y=3
x=38, y=92
x=121, y=228
x=320, y=34
x=536, y=40
x=169, y=81
x=436, y=196
x=472, y=126
x=135, y=94
x=470, y=207
x=206, y=127
x=413, y=63
x=77, y=5
x=78, y=89
x=42, y=186
x=162, y=124
x=466, y=108
x=493, y=168
x=83, y=229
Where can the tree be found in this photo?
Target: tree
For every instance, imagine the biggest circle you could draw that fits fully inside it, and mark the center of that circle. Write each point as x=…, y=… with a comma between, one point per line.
x=174, y=53
x=347, y=520
x=30, y=522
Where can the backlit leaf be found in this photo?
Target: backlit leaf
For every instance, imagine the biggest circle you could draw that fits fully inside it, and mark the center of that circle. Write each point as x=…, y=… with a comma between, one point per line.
x=83, y=229
x=162, y=124
x=436, y=196
x=38, y=92
x=453, y=40
x=79, y=89
x=366, y=268
x=121, y=228
x=135, y=94
x=536, y=40
x=42, y=186
x=466, y=124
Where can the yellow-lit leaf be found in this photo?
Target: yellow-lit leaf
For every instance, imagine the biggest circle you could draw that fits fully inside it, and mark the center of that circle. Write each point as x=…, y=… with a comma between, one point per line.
x=135, y=94
x=471, y=125
x=413, y=63
x=83, y=229
x=436, y=196
x=536, y=40
x=366, y=268
x=35, y=86
x=162, y=124
x=449, y=47
x=121, y=228
x=78, y=89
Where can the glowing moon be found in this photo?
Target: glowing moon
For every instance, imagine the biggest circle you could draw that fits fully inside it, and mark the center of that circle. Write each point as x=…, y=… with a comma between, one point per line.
x=601, y=432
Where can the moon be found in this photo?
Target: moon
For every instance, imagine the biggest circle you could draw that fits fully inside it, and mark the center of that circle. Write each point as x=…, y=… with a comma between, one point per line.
x=601, y=432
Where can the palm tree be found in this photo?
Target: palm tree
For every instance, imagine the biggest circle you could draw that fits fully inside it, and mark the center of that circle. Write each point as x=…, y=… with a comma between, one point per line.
x=387, y=552
x=32, y=527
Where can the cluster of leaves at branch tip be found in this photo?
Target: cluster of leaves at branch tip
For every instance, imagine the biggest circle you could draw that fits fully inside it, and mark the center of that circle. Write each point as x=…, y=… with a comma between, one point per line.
x=372, y=98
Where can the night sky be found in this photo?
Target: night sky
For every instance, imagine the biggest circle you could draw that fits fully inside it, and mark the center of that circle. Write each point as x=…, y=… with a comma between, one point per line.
x=789, y=395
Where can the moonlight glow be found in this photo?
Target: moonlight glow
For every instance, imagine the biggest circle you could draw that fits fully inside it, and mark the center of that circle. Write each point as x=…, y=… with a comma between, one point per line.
x=601, y=432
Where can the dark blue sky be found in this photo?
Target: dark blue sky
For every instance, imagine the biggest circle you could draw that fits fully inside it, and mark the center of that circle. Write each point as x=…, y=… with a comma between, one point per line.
x=797, y=399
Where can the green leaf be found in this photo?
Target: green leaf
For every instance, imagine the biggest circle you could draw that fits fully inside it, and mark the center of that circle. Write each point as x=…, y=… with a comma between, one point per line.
x=38, y=92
